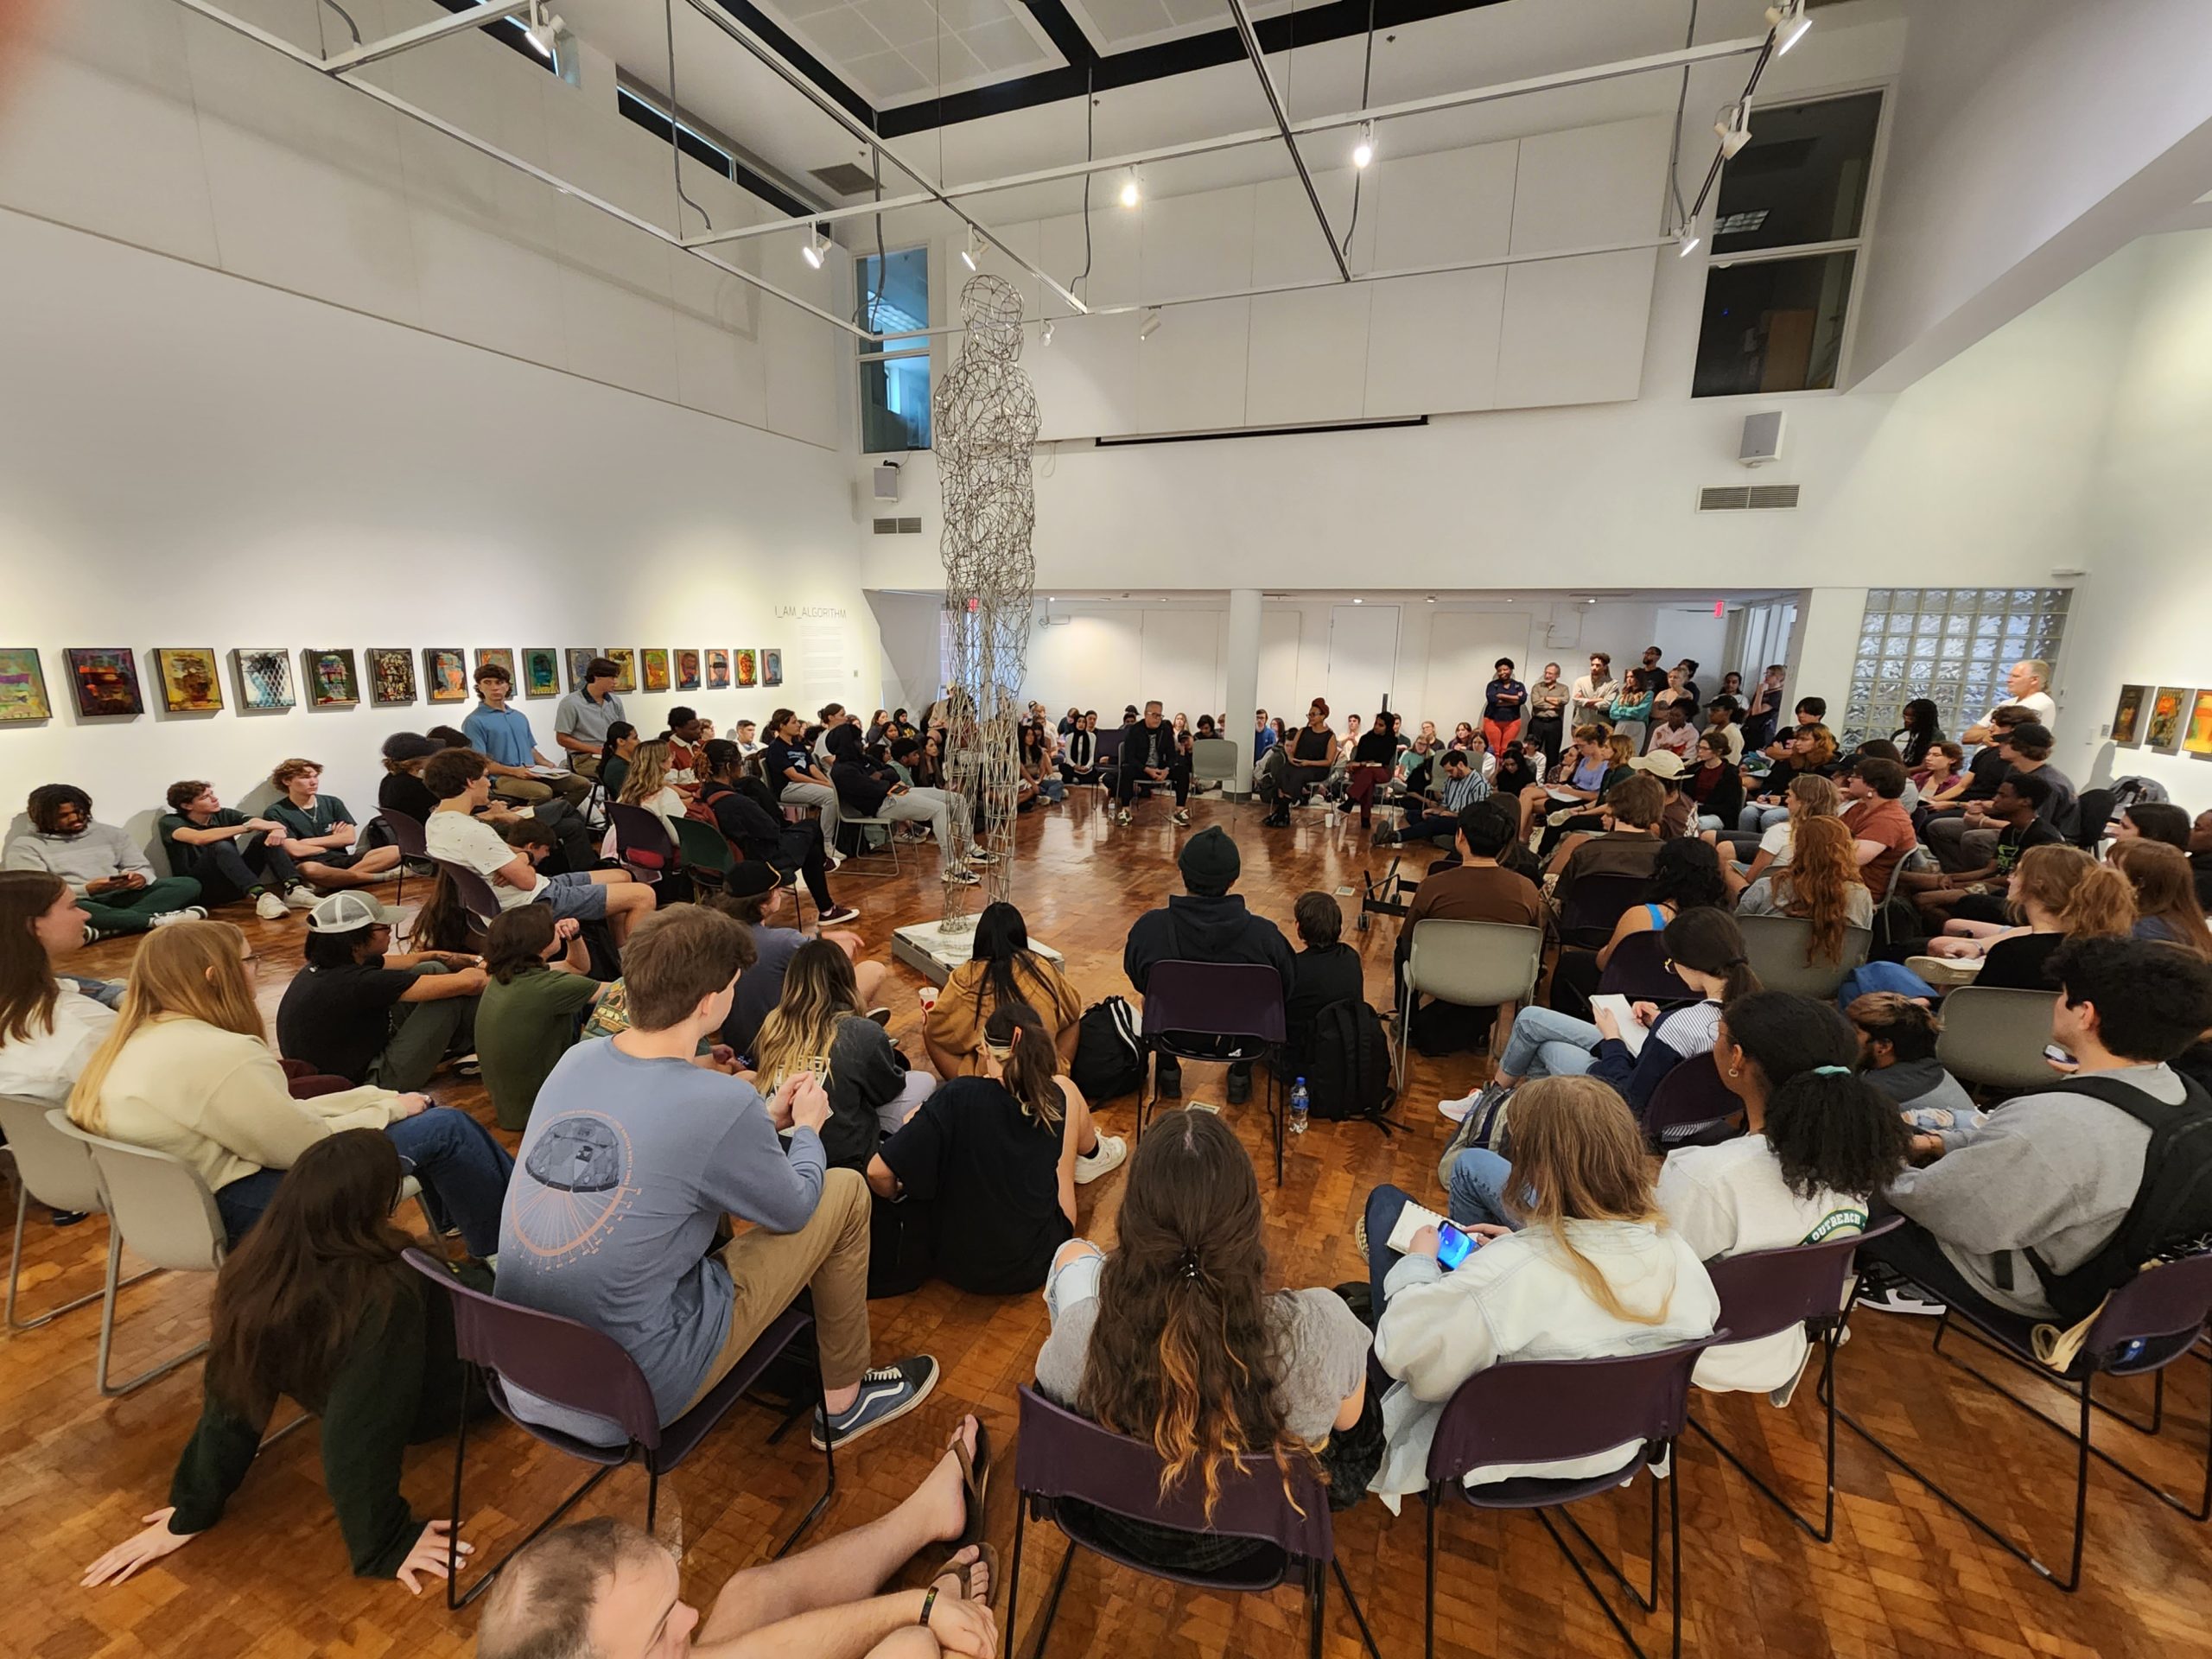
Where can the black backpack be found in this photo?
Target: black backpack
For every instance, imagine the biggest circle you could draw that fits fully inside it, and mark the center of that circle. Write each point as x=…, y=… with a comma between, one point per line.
x=1109, y=1060
x=1348, y=1063
x=2172, y=1209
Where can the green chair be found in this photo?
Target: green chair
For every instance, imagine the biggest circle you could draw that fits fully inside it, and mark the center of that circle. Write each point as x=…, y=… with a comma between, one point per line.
x=703, y=853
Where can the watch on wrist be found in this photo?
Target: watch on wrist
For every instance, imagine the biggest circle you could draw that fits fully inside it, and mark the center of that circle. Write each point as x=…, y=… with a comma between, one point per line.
x=929, y=1604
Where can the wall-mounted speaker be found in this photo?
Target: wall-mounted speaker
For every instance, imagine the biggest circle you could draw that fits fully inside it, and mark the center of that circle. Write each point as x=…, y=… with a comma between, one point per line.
x=886, y=479
x=1762, y=441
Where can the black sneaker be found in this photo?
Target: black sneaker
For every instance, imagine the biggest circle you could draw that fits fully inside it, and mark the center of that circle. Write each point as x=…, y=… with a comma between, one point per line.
x=887, y=1393
x=1240, y=1086
x=1169, y=1083
x=1902, y=1297
x=1386, y=836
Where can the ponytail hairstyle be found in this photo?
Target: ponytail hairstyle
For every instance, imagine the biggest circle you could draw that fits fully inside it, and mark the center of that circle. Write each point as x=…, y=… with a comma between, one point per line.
x=616, y=731
x=1578, y=1155
x=1707, y=939
x=193, y=970
x=722, y=758
x=2087, y=899
x=1828, y=1127
x=1181, y=1356
x=1029, y=1061
x=1823, y=868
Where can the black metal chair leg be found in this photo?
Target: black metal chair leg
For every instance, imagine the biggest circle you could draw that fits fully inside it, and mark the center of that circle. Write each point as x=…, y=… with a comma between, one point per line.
x=652, y=1498
x=1352, y=1602
x=455, y=1598
x=828, y=1463
x=1647, y=1601
x=1317, y=1590
x=1826, y=1393
x=1013, y=1575
x=1052, y=1603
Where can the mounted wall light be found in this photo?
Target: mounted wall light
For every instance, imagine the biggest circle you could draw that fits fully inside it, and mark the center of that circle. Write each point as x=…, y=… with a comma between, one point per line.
x=1733, y=128
x=1046, y=338
x=544, y=27
x=1151, y=323
x=1790, y=19
x=817, y=248
x=968, y=254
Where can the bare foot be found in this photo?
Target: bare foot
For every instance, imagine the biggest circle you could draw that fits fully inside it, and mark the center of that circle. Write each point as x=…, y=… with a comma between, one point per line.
x=942, y=1492
x=978, y=1577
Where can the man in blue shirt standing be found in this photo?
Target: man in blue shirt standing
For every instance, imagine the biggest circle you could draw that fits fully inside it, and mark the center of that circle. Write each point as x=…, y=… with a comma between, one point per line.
x=502, y=736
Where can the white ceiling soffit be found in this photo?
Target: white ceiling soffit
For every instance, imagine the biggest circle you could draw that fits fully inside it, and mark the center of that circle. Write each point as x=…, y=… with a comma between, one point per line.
x=895, y=52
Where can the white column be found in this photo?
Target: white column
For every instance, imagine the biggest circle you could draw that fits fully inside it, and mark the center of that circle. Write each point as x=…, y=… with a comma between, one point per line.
x=1243, y=684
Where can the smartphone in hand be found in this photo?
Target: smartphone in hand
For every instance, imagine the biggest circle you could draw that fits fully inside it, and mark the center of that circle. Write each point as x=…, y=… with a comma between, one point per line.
x=1453, y=1247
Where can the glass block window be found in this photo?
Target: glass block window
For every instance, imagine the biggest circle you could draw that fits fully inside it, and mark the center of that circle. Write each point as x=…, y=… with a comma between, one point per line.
x=1951, y=645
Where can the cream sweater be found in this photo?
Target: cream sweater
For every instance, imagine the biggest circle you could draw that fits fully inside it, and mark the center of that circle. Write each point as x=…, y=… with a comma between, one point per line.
x=220, y=1102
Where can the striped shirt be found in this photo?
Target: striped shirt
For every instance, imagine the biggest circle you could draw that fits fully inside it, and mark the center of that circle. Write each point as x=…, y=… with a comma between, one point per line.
x=1461, y=793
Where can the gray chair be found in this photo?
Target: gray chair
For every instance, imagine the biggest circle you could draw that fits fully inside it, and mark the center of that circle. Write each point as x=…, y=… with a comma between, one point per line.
x=56, y=1170
x=1995, y=1037
x=158, y=1204
x=1472, y=964
x=1218, y=761
x=860, y=861
x=1777, y=948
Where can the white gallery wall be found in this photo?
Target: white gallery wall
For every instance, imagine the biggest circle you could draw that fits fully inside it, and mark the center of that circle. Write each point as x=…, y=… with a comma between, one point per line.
x=187, y=459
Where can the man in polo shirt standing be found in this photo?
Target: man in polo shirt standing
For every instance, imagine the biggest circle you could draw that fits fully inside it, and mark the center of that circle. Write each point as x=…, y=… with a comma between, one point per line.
x=580, y=722
x=503, y=737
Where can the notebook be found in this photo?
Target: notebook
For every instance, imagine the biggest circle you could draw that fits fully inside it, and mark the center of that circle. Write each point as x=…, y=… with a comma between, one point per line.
x=1411, y=1220
x=1631, y=1033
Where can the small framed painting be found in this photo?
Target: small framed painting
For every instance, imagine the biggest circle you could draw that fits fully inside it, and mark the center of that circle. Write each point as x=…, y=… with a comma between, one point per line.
x=331, y=679
x=503, y=655
x=771, y=666
x=579, y=661
x=2127, y=716
x=748, y=668
x=264, y=674
x=717, y=669
x=2169, y=710
x=445, y=674
x=541, y=672
x=2197, y=739
x=190, y=683
x=391, y=675
x=687, y=671
x=23, y=685
x=656, y=668
x=624, y=658
x=106, y=681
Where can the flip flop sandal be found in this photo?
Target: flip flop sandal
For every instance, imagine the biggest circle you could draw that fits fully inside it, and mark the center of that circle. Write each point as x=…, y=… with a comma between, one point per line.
x=975, y=1482
x=989, y=1555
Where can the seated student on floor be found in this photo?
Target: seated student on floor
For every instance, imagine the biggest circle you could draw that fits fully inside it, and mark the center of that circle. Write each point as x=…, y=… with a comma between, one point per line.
x=186, y=1070
x=1462, y=787
x=1174, y=1338
x=990, y=1163
x=114, y=884
x=316, y=1304
x=1038, y=771
x=1897, y=1054
x=1685, y=876
x=2045, y=1183
x=757, y=902
x=1822, y=883
x=745, y=813
x=319, y=833
x=402, y=790
x=1809, y=797
x=1324, y=971
x=229, y=856
x=1966, y=839
x=819, y=1026
x=696, y=1147
x=1000, y=969
x=1818, y=1146
x=1707, y=953
x=2166, y=910
x=1521, y=768
x=1592, y=1269
x=501, y=734
x=458, y=779
x=2054, y=895
x=356, y=1013
x=600, y=1588
x=1808, y=751
x=1978, y=895
x=49, y=1022
x=538, y=990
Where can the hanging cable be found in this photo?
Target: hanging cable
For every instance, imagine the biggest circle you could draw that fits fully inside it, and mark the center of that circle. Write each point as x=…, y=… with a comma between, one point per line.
x=1090, y=153
x=675, y=136
x=1366, y=83
x=1675, y=155
x=351, y=27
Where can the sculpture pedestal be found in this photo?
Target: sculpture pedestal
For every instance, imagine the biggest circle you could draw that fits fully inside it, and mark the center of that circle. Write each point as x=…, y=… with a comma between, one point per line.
x=933, y=953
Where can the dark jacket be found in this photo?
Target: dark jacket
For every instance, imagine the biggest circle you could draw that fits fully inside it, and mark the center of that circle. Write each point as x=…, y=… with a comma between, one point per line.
x=1319, y=978
x=745, y=824
x=1726, y=800
x=1196, y=928
x=1145, y=745
x=862, y=788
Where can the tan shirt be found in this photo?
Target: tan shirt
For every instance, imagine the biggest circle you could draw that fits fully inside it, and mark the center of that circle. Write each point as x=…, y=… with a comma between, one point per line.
x=220, y=1102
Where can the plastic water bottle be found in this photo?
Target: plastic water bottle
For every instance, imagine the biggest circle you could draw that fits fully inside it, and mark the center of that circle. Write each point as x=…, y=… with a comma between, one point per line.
x=1300, y=1103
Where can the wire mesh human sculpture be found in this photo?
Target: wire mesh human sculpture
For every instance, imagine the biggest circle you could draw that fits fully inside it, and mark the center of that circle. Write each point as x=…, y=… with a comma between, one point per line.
x=983, y=420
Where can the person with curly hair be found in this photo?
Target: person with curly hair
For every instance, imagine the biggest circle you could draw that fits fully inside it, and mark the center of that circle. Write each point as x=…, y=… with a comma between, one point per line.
x=1820, y=884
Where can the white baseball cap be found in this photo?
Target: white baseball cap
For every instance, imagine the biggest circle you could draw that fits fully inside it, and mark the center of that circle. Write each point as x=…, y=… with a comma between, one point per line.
x=349, y=912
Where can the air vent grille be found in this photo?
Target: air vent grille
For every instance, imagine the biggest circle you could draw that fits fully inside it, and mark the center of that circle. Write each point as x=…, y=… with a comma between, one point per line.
x=898, y=526
x=1747, y=497
x=846, y=179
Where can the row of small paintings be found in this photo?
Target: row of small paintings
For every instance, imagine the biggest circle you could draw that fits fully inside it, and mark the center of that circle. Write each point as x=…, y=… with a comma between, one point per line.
x=105, y=679
x=2168, y=718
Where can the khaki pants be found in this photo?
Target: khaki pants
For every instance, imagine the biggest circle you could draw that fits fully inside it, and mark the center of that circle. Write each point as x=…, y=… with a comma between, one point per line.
x=829, y=1255
x=529, y=791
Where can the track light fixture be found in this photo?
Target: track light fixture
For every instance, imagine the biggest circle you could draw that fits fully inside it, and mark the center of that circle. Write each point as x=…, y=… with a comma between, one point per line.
x=1790, y=19
x=1689, y=243
x=1363, y=151
x=817, y=248
x=544, y=27
x=1733, y=128
x=968, y=254
x=1130, y=193
x=1046, y=338
x=1151, y=322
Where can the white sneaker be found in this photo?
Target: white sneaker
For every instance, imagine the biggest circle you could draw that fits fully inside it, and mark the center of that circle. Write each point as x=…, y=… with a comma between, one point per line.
x=269, y=908
x=962, y=877
x=1125, y=816
x=189, y=913
x=301, y=897
x=1455, y=1111
x=1112, y=1151
x=832, y=856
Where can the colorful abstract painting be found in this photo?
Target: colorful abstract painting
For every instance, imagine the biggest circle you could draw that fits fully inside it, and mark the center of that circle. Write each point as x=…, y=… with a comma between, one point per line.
x=191, y=685
x=264, y=674
x=333, y=681
x=541, y=672
x=106, y=681
x=391, y=675
x=23, y=685
x=445, y=674
x=771, y=666
x=717, y=669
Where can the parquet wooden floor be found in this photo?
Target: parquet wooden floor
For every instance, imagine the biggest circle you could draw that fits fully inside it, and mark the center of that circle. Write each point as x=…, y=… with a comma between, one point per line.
x=1905, y=1576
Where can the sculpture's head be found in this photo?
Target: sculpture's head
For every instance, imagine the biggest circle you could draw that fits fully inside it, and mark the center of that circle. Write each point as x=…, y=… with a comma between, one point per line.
x=991, y=306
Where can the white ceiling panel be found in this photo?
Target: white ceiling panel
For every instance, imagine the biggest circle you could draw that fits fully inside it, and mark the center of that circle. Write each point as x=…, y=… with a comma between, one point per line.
x=895, y=52
x=1125, y=25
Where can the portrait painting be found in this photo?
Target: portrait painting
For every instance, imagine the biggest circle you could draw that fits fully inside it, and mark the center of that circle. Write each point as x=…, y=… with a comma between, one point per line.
x=391, y=675
x=190, y=682
x=106, y=681
x=23, y=685
x=445, y=674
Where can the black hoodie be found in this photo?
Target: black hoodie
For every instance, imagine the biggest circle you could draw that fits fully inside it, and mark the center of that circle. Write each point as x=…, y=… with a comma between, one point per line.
x=1201, y=927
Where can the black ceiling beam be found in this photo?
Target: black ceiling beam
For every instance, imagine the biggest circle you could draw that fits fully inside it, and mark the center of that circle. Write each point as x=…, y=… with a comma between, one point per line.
x=801, y=60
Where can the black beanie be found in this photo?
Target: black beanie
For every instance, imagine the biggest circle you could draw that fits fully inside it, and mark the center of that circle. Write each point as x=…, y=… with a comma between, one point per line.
x=1208, y=862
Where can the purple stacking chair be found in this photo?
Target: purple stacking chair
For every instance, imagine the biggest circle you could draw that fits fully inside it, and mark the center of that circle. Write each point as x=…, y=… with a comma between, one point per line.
x=1594, y=903
x=642, y=842
x=558, y=1359
x=1638, y=970
x=2144, y=1326
x=1691, y=1107
x=407, y=834
x=1765, y=1292
x=1061, y=1456
x=1241, y=1000
x=1549, y=1410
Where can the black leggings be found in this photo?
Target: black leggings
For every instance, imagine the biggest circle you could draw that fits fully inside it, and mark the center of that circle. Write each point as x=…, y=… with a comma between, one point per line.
x=230, y=869
x=800, y=848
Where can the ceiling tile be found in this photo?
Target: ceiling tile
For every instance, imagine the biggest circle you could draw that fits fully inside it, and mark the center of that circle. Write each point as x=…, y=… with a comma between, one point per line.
x=841, y=35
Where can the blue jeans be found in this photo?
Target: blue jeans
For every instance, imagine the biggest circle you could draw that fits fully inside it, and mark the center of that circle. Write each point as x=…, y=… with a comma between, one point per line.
x=1478, y=1182
x=241, y=1202
x=460, y=1165
x=1547, y=1044
x=1755, y=818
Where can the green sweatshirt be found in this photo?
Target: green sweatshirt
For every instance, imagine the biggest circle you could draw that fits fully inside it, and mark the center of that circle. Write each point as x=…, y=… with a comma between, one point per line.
x=399, y=1384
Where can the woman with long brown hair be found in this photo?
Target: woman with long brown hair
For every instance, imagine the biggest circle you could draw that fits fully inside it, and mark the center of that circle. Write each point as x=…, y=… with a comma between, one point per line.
x=50, y=1023
x=1001, y=969
x=818, y=1025
x=317, y=1304
x=2166, y=908
x=1594, y=1270
x=186, y=1070
x=2055, y=894
x=1175, y=1340
x=992, y=1161
x=1821, y=884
